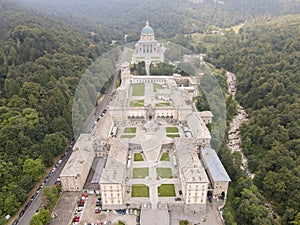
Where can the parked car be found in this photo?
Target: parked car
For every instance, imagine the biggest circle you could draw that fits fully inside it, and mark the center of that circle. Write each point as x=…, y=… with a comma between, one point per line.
x=97, y=210
x=138, y=219
x=180, y=192
x=177, y=199
x=98, y=204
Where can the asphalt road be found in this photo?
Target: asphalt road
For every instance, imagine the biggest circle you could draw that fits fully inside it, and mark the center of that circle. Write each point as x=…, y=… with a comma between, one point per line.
x=25, y=219
x=36, y=202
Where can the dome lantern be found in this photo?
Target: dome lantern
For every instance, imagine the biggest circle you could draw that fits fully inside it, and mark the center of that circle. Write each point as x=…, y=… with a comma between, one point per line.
x=147, y=30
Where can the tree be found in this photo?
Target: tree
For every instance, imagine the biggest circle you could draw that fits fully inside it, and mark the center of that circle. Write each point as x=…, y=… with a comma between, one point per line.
x=43, y=217
x=11, y=204
x=11, y=87
x=50, y=196
x=34, y=168
x=296, y=220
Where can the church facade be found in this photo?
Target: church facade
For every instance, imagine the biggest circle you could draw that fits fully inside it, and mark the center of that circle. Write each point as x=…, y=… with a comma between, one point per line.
x=147, y=48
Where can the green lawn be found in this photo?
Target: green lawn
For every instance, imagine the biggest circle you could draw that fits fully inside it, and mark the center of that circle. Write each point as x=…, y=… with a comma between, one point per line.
x=140, y=173
x=137, y=103
x=164, y=172
x=173, y=135
x=138, y=157
x=139, y=190
x=171, y=129
x=138, y=89
x=162, y=104
x=128, y=136
x=130, y=130
x=166, y=190
x=165, y=157
x=156, y=86
x=184, y=222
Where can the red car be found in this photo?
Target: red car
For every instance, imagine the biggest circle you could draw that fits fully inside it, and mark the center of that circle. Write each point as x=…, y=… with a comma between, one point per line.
x=97, y=210
x=76, y=220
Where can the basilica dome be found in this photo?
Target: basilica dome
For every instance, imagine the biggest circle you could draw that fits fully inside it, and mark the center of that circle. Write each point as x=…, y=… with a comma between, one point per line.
x=147, y=30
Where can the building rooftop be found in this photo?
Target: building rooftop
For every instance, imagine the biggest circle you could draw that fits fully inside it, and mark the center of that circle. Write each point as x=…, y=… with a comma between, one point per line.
x=195, y=174
x=189, y=162
x=113, y=176
x=115, y=167
x=82, y=155
x=214, y=165
x=117, y=155
x=206, y=113
x=147, y=30
x=198, y=127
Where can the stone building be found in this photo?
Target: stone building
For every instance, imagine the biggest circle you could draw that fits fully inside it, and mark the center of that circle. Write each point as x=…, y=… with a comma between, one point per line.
x=194, y=180
x=76, y=170
x=147, y=48
x=216, y=172
x=206, y=116
x=113, y=176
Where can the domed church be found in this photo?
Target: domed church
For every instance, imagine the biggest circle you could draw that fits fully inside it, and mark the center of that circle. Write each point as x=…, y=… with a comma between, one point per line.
x=147, y=48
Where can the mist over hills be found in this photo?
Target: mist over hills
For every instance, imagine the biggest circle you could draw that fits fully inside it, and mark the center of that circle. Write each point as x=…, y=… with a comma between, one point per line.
x=169, y=17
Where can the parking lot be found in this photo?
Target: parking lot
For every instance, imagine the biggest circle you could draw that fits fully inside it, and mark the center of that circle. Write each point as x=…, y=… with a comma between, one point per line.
x=89, y=214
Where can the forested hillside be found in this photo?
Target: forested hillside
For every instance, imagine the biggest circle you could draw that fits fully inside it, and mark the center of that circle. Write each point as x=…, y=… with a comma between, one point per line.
x=169, y=18
x=265, y=55
x=41, y=61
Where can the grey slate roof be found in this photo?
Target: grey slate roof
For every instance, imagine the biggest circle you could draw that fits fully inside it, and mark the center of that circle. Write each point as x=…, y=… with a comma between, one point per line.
x=214, y=165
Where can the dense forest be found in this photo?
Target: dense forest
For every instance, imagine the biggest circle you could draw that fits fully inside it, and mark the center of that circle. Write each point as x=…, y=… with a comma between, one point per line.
x=41, y=62
x=265, y=55
x=169, y=18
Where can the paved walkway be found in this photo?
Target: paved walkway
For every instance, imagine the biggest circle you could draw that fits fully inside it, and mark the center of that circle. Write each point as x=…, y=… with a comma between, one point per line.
x=65, y=208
